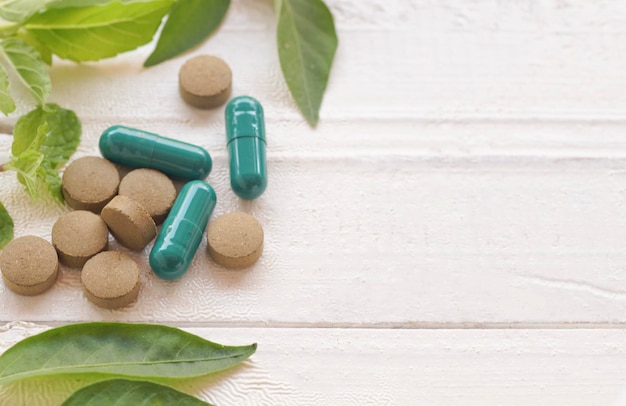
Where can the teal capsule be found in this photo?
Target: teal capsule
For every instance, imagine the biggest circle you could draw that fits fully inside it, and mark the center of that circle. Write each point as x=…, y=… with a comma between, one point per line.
x=182, y=230
x=245, y=134
x=142, y=149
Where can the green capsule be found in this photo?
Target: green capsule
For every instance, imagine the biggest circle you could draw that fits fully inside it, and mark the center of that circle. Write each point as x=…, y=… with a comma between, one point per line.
x=245, y=134
x=142, y=149
x=182, y=230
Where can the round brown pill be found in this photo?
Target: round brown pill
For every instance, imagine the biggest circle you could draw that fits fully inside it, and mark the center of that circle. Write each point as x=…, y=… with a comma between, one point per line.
x=151, y=189
x=29, y=265
x=78, y=236
x=129, y=222
x=111, y=280
x=205, y=81
x=235, y=240
x=89, y=183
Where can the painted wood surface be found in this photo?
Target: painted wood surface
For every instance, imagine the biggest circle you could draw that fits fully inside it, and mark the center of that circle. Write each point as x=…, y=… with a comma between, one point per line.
x=451, y=233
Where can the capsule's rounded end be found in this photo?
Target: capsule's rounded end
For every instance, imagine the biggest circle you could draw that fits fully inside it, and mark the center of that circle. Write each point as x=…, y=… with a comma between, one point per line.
x=248, y=186
x=167, y=264
x=206, y=164
x=107, y=140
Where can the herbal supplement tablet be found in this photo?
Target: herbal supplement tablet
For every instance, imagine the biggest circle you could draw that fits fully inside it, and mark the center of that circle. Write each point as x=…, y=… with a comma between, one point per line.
x=29, y=265
x=78, y=236
x=235, y=240
x=111, y=280
x=245, y=133
x=182, y=230
x=153, y=190
x=131, y=225
x=89, y=183
x=205, y=81
x=141, y=149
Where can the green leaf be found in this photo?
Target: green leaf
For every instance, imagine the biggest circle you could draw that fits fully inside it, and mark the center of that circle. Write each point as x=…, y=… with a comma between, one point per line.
x=29, y=66
x=6, y=226
x=50, y=178
x=97, y=32
x=20, y=10
x=62, y=138
x=85, y=3
x=44, y=51
x=188, y=24
x=139, y=351
x=306, y=47
x=7, y=105
x=132, y=393
x=26, y=166
x=43, y=140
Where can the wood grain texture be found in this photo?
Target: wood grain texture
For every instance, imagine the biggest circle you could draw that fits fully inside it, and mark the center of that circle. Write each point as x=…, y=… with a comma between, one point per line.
x=468, y=174
x=480, y=182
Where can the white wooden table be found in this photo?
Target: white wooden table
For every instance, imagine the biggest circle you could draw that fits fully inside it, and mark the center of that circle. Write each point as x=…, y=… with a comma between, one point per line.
x=452, y=233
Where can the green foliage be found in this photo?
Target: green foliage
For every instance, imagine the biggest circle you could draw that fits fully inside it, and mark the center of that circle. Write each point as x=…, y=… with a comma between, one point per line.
x=306, y=47
x=189, y=23
x=139, y=351
x=6, y=226
x=97, y=32
x=43, y=140
x=135, y=393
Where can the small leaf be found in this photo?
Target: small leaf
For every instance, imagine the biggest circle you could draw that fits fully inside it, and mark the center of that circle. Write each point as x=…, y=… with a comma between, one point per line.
x=7, y=105
x=97, y=32
x=64, y=130
x=63, y=133
x=6, y=226
x=133, y=393
x=140, y=351
x=51, y=180
x=20, y=10
x=26, y=166
x=306, y=48
x=189, y=23
x=29, y=66
x=43, y=140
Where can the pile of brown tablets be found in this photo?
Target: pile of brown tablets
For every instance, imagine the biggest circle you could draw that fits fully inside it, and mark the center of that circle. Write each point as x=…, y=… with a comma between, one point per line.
x=129, y=209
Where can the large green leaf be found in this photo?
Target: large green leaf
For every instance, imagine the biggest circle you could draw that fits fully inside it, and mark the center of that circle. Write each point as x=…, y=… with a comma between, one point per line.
x=100, y=31
x=7, y=105
x=6, y=226
x=189, y=23
x=306, y=48
x=30, y=68
x=122, y=392
x=139, y=351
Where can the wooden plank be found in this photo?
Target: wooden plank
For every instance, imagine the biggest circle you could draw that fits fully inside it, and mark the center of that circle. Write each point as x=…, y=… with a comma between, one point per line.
x=347, y=367
x=396, y=240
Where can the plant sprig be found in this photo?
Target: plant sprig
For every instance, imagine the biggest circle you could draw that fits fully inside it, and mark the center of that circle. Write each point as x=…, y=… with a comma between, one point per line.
x=89, y=30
